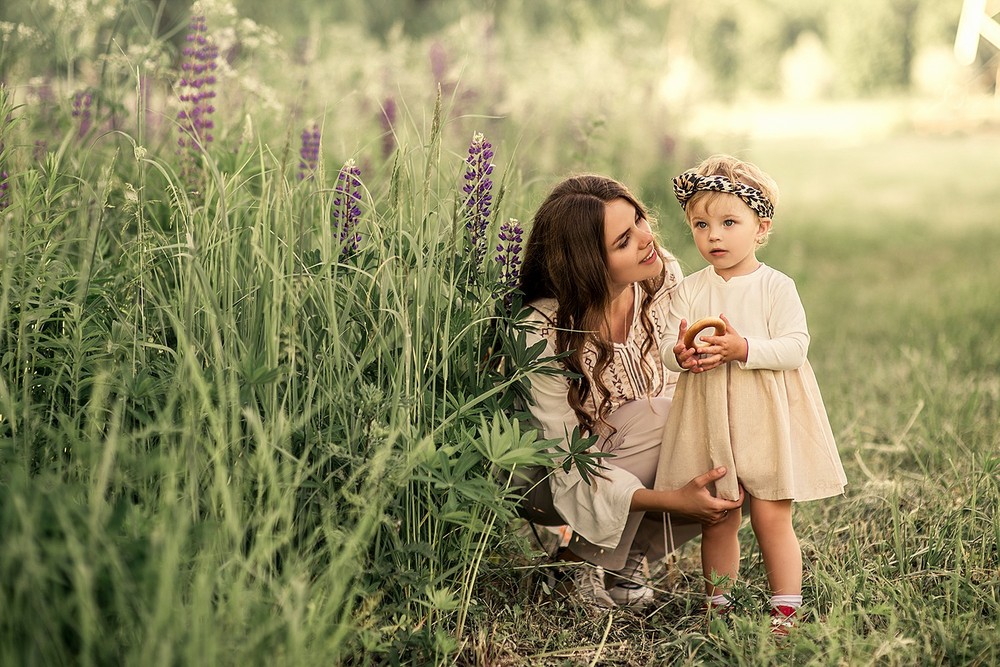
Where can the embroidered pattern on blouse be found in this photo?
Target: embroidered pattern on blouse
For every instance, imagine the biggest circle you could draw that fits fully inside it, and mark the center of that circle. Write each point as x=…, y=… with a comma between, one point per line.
x=624, y=375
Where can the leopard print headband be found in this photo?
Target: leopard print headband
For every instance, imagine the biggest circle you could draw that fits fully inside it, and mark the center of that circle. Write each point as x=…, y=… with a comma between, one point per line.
x=690, y=182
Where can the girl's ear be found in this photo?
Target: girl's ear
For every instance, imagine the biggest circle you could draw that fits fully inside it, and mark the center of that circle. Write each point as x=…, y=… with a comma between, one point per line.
x=763, y=228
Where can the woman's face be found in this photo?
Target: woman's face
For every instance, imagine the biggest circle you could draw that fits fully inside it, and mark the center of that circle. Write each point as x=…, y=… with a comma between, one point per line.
x=631, y=253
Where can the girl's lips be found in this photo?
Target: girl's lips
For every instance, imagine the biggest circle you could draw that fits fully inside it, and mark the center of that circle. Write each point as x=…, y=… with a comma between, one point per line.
x=718, y=251
x=650, y=257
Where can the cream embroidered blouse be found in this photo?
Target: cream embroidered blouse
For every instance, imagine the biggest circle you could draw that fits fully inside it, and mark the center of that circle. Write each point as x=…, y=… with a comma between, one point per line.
x=598, y=511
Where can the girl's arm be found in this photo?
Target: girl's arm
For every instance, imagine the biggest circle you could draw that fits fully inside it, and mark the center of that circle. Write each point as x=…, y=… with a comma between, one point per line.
x=782, y=338
x=676, y=314
x=786, y=346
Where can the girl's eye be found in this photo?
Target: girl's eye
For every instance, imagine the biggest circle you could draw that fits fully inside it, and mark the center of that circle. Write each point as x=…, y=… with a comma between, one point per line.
x=729, y=223
x=623, y=243
x=701, y=225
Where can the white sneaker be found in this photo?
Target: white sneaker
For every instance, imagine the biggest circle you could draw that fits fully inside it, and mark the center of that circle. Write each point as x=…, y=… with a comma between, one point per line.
x=588, y=587
x=628, y=586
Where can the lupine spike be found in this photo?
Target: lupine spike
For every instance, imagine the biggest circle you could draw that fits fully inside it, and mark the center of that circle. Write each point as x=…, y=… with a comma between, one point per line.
x=81, y=111
x=509, y=257
x=479, y=194
x=387, y=118
x=309, y=153
x=346, y=207
x=4, y=183
x=197, y=79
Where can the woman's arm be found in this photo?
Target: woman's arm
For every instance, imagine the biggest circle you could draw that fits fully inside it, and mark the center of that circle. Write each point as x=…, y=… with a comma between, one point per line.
x=596, y=508
x=691, y=500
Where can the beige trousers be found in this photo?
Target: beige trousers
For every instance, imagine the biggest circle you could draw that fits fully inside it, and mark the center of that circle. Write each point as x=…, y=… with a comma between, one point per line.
x=636, y=446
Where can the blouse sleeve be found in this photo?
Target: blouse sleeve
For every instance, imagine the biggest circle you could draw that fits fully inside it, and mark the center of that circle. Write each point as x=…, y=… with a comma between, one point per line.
x=787, y=343
x=596, y=511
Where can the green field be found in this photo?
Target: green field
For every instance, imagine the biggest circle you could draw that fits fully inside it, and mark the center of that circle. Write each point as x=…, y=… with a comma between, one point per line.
x=899, y=284
x=229, y=436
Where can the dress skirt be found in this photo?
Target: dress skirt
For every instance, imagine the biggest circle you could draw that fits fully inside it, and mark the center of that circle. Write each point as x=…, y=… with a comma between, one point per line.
x=768, y=428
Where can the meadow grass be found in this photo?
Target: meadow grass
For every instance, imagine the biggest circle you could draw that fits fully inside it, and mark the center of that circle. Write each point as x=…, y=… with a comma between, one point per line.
x=225, y=440
x=904, y=569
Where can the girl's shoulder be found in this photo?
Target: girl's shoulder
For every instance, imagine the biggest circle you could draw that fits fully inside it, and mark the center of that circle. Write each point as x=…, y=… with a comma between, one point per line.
x=773, y=277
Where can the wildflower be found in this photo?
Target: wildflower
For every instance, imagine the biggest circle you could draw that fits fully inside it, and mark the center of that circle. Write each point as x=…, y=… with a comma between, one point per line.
x=196, y=86
x=4, y=185
x=81, y=111
x=309, y=153
x=346, y=207
x=509, y=252
x=388, y=119
x=479, y=198
x=4, y=189
x=39, y=151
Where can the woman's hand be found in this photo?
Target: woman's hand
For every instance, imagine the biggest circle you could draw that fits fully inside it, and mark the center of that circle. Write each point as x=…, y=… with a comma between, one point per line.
x=691, y=500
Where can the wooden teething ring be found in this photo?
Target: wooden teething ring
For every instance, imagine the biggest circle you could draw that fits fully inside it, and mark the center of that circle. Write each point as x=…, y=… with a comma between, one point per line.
x=701, y=325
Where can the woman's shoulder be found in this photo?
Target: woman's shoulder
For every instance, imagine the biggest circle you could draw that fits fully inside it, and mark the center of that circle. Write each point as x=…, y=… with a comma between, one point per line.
x=671, y=277
x=543, y=311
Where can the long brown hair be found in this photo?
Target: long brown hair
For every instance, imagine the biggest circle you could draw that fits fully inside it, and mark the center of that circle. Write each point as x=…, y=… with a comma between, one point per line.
x=565, y=259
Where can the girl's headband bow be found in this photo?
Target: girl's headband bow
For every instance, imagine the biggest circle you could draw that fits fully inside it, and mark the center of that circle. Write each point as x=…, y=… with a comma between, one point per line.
x=690, y=182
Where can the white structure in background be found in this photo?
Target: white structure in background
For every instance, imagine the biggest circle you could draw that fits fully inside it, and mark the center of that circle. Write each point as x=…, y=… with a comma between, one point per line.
x=977, y=20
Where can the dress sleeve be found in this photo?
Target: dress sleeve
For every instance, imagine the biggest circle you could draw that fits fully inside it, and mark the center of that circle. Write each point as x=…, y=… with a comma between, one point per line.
x=596, y=511
x=787, y=343
x=679, y=307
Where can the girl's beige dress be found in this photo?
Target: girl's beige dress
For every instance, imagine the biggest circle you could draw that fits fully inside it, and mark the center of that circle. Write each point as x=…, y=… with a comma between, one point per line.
x=763, y=419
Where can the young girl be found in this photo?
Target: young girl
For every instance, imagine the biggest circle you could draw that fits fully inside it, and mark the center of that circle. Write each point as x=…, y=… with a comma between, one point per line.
x=747, y=399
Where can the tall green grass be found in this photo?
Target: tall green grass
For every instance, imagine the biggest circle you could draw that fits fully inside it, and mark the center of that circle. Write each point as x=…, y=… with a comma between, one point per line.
x=227, y=441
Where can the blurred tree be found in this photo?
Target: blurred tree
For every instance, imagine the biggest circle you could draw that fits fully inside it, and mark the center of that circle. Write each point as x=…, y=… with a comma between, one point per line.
x=871, y=42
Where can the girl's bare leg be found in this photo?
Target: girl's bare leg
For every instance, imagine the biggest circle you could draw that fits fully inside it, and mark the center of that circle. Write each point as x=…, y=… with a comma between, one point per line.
x=720, y=552
x=772, y=524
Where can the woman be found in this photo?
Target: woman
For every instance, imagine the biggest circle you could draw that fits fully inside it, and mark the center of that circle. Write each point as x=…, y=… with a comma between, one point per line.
x=599, y=288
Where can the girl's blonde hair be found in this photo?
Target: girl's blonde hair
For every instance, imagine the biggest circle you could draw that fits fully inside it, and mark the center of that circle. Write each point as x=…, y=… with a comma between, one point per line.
x=737, y=171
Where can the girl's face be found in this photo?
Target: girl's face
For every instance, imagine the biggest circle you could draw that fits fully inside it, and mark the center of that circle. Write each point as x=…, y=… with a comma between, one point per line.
x=726, y=232
x=631, y=252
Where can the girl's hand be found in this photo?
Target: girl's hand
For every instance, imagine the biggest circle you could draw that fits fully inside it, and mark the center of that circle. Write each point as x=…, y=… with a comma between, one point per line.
x=687, y=357
x=722, y=349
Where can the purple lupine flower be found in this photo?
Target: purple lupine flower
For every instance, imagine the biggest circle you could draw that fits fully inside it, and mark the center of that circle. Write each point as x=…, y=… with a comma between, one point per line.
x=479, y=198
x=439, y=62
x=4, y=189
x=509, y=257
x=346, y=207
x=388, y=119
x=4, y=185
x=81, y=111
x=40, y=149
x=309, y=153
x=196, y=92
